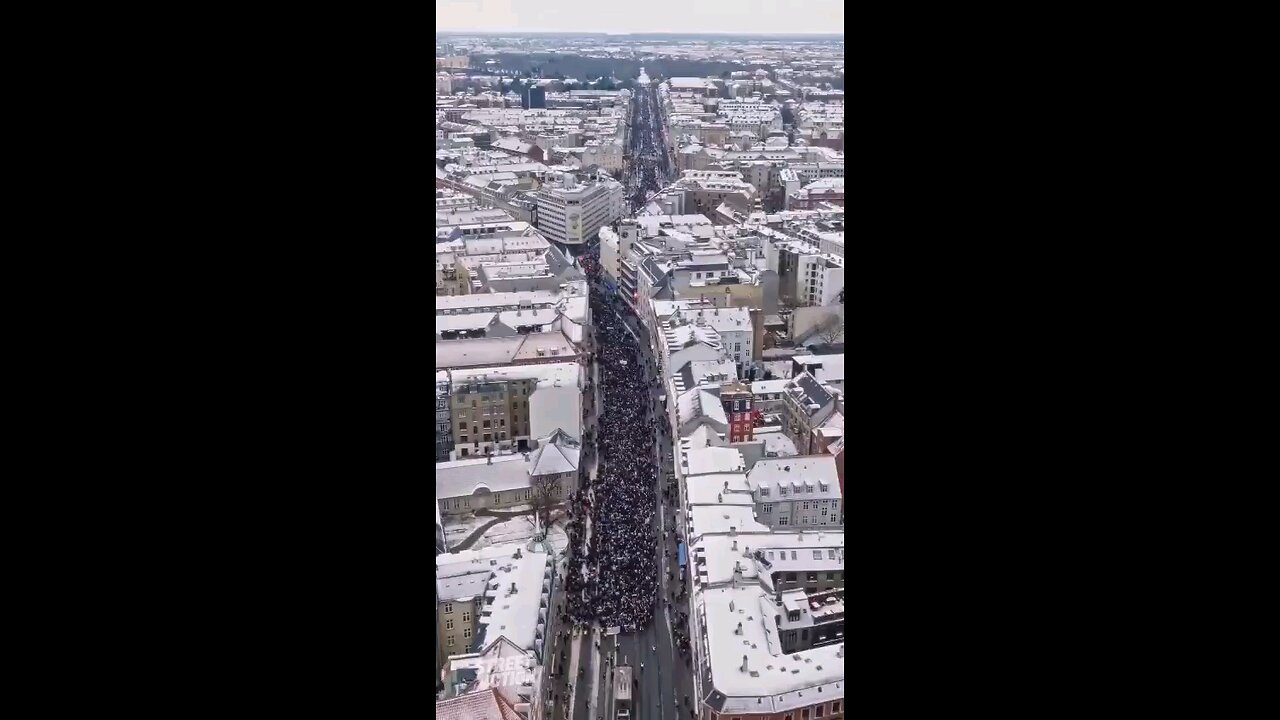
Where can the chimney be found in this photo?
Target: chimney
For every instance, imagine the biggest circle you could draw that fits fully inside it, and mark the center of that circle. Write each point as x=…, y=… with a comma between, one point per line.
x=735, y=544
x=719, y=498
x=513, y=587
x=739, y=630
x=730, y=606
x=744, y=661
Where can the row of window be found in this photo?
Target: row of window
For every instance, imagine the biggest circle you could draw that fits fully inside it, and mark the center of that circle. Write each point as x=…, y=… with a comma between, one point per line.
x=818, y=711
x=488, y=437
x=804, y=520
x=495, y=308
x=448, y=622
x=809, y=577
x=465, y=502
x=768, y=507
x=783, y=490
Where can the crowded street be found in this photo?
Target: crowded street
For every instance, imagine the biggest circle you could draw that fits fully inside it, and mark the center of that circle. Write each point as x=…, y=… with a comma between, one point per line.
x=623, y=589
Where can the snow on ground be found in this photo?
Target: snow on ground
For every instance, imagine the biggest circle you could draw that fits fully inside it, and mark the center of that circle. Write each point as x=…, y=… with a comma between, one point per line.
x=513, y=530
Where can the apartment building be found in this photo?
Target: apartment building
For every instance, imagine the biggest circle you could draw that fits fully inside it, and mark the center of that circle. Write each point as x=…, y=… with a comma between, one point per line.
x=797, y=491
x=806, y=404
x=498, y=410
x=444, y=417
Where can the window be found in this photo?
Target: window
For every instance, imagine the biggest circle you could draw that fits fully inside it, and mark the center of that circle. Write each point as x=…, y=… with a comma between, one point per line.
x=466, y=502
x=502, y=436
x=466, y=616
x=824, y=511
x=448, y=624
x=804, y=520
x=486, y=423
x=502, y=422
x=764, y=491
x=817, y=712
x=793, y=554
x=488, y=437
x=450, y=643
x=831, y=554
x=464, y=450
x=806, y=506
x=462, y=425
x=768, y=508
x=835, y=706
x=804, y=713
x=466, y=632
x=782, y=519
x=448, y=608
x=782, y=490
x=831, y=576
x=817, y=554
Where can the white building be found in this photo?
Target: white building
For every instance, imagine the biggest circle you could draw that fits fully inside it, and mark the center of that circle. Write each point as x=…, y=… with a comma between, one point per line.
x=572, y=213
x=802, y=490
x=734, y=327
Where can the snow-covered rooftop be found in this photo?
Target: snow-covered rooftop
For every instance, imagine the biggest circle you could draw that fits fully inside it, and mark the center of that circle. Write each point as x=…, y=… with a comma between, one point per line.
x=710, y=490
x=712, y=460
x=547, y=375
x=518, y=615
x=723, y=519
x=464, y=478
x=769, y=683
x=802, y=477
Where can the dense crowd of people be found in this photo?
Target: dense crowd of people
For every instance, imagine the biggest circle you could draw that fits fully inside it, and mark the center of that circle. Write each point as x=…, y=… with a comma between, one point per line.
x=612, y=578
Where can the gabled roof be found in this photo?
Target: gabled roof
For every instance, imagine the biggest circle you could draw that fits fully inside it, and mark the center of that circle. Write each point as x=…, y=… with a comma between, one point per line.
x=556, y=453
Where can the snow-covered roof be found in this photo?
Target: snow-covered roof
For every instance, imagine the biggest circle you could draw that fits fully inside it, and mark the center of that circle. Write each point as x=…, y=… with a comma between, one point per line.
x=556, y=454
x=547, y=375
x=770, y=683
x=768, y=387
x=471, y=476
x=710, y=489
x=724, y=518
x=802, y=476
x=712, y=460
x=518, y=615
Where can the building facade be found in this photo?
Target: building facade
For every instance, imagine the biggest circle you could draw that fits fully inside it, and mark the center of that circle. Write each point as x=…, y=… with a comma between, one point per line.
x=572, y=213
x=736, y=399
x=444, y=417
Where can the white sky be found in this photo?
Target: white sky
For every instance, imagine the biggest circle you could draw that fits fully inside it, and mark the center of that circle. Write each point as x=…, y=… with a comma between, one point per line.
x=644, y=16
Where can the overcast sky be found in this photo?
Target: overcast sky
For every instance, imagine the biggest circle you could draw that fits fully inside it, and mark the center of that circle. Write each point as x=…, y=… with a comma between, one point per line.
x=644, y=16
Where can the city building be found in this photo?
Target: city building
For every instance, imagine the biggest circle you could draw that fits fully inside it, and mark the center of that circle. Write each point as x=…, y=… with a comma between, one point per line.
x=504, y=481
x=797, y=491
x=499, y=409
x=572, y=213
x=806, y=404
x=444, y=418
x=492, y=614
x=534, y=98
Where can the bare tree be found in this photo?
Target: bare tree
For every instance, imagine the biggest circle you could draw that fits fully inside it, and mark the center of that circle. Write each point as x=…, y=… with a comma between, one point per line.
x=546, y=494
x=831, y=329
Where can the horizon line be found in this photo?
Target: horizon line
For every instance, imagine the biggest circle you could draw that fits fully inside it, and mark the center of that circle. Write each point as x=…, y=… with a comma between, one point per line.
x=649, y=32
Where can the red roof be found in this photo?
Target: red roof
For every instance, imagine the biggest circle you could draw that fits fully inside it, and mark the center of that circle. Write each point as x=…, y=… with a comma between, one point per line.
x=483, y=705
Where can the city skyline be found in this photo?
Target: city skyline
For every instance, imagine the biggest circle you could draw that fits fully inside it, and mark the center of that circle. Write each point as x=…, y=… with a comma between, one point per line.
x=755, y=17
